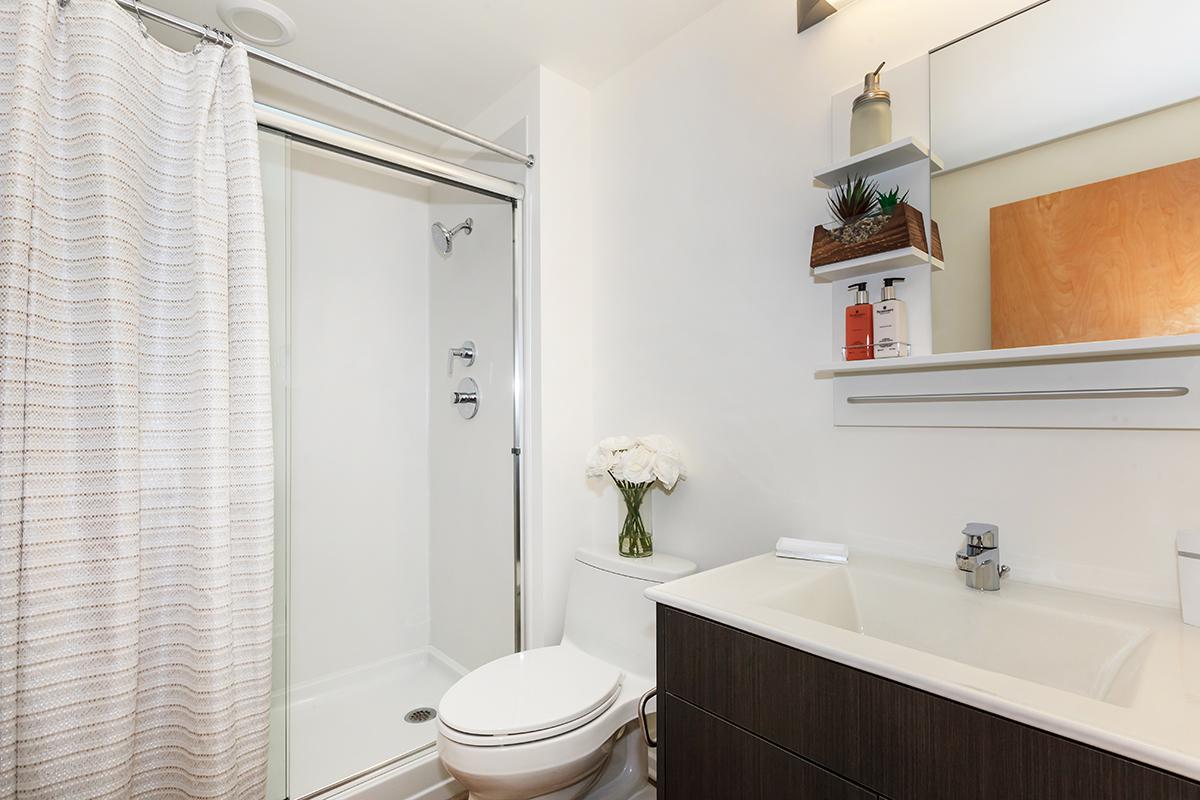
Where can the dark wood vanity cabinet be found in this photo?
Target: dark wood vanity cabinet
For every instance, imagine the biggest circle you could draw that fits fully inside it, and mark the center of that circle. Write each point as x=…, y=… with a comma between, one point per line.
x=745, y=718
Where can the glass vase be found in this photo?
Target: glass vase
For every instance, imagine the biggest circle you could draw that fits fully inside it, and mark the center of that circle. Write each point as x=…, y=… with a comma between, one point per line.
x=635, y=539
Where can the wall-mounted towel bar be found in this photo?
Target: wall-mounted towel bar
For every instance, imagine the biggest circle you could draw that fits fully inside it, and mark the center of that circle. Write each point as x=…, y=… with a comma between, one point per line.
x=1040, y=394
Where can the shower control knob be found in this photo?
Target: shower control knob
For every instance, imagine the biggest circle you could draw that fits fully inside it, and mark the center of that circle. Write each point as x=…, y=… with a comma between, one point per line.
x=466, y=397
x=466, y=353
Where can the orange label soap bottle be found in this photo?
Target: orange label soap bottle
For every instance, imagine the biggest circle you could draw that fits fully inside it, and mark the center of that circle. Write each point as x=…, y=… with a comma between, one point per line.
x=860, y=326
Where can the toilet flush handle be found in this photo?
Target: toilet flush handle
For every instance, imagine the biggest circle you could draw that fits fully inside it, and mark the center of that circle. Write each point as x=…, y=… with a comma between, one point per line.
x=644, y=719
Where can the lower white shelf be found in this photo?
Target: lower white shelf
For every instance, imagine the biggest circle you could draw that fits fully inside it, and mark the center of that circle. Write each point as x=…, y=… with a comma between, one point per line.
x=1134, y=383
x=880, y=262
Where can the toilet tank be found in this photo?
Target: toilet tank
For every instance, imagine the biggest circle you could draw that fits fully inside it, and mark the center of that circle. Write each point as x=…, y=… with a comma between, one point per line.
x=608, y=616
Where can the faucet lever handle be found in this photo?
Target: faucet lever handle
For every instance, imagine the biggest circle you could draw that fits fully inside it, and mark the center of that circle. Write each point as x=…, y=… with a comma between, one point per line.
x=982, y=534
x=466, y=353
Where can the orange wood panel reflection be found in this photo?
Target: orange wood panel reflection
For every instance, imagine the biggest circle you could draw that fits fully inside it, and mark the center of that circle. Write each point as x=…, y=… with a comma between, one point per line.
x=1115, y=259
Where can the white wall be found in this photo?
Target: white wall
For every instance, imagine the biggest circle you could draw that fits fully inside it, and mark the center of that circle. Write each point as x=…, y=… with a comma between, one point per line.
x=566, y=377
x=708, y=328
x=359, y=410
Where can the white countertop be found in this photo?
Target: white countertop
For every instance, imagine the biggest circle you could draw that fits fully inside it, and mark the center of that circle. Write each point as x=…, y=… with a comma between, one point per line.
x=1152, y=708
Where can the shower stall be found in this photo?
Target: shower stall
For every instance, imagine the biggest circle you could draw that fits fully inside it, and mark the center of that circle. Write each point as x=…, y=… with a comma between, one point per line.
x=397, y=515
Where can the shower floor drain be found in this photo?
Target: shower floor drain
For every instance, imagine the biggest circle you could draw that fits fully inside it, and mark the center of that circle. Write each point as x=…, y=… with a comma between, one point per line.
x=420, y=715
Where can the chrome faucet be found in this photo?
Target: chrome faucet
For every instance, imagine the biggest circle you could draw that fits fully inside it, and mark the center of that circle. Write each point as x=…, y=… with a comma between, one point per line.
x=980, y=556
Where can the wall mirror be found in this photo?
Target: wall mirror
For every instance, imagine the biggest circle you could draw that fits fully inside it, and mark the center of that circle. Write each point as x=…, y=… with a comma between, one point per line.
x=1069, y=202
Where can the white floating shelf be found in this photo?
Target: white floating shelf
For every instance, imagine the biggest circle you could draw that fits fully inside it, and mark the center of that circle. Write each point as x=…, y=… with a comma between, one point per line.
x=877, y=160
x=870, y=265
x=1078, y=351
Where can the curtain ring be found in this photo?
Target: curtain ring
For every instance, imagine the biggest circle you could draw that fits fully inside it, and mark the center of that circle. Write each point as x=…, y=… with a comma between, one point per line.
x=200, y=44
x=137, y=10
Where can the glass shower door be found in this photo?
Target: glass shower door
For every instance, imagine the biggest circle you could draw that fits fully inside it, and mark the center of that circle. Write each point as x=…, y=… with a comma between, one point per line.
x=394, y=511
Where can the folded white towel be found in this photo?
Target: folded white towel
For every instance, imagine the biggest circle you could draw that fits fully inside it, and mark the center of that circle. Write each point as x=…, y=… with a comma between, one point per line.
x=831, y=552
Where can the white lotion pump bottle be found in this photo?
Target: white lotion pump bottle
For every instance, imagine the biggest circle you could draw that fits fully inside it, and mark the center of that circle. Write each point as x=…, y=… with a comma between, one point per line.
x=890, y=318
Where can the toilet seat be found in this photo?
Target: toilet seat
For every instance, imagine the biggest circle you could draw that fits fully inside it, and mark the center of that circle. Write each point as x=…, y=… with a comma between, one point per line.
x=528, y=697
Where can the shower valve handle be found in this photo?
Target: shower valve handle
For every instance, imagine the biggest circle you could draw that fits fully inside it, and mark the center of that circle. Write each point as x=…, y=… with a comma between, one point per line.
x=466, y=353
x=466, y=398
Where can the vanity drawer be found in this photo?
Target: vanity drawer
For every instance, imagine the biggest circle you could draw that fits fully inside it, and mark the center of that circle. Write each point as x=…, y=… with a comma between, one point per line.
x=710, y=759
x=901, y=742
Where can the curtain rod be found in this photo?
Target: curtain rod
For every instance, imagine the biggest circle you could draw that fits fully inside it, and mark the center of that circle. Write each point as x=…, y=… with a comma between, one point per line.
x=220, y=37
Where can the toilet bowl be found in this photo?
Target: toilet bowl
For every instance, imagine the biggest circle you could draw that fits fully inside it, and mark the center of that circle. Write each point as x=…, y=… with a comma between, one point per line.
x=559, y=722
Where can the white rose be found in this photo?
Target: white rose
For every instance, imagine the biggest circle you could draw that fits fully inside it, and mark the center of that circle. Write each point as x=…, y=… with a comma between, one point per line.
x=668, y=467
x=615, y=444
x=599, y=461
x=654, y=441
x=667, y=470
x=636, y=465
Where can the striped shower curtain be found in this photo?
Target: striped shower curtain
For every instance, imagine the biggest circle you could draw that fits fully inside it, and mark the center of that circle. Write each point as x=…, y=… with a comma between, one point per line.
x=135, y=419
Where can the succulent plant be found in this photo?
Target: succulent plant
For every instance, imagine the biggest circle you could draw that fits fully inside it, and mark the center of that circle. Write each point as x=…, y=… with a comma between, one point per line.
x=854, y=199
x=890, y=199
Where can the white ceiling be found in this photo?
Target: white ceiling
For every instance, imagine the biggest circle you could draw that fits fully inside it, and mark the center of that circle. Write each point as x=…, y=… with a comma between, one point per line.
x=449, y=59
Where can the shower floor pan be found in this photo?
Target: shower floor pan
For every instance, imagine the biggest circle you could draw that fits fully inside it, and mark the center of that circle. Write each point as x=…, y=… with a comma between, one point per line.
x=349, y=725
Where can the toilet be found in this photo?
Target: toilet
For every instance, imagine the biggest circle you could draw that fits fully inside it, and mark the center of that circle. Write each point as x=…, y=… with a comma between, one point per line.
x=560, y=722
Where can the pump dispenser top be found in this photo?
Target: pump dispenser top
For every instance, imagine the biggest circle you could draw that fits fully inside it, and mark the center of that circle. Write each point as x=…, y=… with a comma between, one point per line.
x=889, y=289
x=861, y=295
x=872, y=89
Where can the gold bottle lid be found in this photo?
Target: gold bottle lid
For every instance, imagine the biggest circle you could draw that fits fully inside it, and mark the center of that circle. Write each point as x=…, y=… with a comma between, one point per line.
x=871, y=90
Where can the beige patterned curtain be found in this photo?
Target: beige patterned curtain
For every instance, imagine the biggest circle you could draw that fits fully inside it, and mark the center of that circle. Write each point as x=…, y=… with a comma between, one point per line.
x=135, y=429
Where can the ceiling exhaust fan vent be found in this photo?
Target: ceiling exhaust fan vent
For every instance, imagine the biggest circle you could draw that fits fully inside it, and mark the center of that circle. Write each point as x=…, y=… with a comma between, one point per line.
x=257, y=22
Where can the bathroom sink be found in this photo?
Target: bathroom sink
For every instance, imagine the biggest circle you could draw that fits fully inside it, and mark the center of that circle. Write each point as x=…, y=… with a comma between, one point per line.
x=1116, y=674
x=928, y=609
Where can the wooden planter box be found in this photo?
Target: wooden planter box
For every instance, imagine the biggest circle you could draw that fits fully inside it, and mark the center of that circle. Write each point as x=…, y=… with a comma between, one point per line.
x=905, y=228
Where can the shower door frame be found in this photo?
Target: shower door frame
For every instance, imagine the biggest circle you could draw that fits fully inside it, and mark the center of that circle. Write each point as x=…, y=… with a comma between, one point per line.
x=329, y=138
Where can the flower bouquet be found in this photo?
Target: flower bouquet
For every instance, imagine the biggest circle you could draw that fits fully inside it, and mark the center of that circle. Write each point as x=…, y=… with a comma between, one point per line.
x=635, y=465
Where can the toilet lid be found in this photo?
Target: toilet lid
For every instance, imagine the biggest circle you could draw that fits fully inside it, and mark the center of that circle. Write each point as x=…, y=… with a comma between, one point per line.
x=530, y=691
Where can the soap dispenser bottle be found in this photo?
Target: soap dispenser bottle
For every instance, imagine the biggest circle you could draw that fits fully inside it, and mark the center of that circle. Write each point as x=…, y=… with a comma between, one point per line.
x=860, y=331
x=871, y=116
x=890, y=321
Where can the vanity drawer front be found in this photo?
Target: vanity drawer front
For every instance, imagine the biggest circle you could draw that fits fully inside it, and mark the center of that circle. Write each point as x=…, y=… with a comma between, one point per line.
x=901, y=742
x=702, y=757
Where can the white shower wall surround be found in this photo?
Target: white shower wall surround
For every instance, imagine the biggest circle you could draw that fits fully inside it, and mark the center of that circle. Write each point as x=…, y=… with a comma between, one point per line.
x=359, y=444
x=352, y=252
x=136, y=463
x=471, y=519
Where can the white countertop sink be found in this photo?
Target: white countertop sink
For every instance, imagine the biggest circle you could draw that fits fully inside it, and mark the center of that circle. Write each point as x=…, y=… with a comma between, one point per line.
x=1076, y=652
x=1118, y=675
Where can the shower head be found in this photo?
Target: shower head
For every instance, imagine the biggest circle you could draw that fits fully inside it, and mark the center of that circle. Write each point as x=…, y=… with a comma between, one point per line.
x=443, y=238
